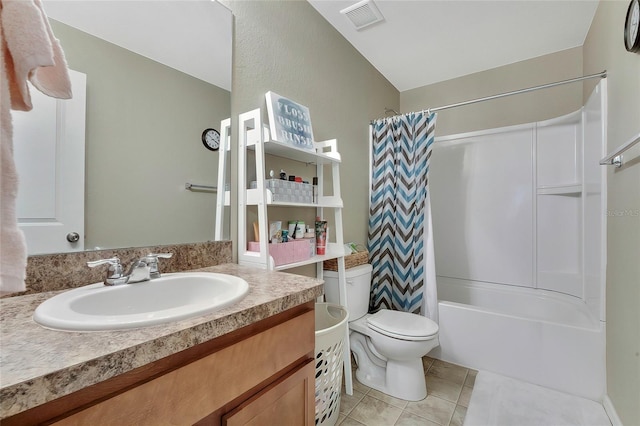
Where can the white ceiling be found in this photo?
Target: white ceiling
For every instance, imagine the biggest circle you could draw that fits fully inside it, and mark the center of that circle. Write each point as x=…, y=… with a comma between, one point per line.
x=192, y=36
x=422, y=42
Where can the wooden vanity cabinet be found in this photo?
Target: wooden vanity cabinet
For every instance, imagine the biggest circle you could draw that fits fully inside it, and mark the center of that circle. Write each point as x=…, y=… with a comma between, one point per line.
x=262, y=374
x=279, y=403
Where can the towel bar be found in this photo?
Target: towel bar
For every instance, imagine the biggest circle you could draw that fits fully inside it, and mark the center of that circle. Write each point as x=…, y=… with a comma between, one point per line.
x=192, y=186
x=615, y=158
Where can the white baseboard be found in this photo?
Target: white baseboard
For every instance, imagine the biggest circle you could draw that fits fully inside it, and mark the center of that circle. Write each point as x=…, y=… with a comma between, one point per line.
x=611, y=411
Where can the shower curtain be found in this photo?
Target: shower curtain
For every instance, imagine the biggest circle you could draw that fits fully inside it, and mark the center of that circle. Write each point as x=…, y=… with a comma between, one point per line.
x=400, y=241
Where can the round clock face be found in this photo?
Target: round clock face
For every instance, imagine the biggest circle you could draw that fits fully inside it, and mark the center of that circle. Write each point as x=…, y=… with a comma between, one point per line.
x=632, y=27
x=211, y=139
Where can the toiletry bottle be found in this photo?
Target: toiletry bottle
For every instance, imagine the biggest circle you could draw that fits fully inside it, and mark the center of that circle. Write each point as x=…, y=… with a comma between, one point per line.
x=310, y=236
x=292, y=227
x=315, y=190
x=321, y=236
x=299, y=230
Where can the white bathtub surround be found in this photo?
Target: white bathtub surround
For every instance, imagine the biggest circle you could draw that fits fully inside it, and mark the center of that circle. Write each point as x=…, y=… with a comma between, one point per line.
x=502, y=401
x=538, y=336
x=519, y=216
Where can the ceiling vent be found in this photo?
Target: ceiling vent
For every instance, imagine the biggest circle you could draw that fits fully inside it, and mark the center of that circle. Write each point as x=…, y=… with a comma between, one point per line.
x=363, y=14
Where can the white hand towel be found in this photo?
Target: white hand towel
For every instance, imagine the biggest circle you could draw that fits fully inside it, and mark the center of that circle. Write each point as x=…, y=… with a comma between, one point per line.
x=29, y=51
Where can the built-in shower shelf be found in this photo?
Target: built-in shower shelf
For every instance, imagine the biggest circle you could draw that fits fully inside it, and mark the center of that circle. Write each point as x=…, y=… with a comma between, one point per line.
x=570, y=189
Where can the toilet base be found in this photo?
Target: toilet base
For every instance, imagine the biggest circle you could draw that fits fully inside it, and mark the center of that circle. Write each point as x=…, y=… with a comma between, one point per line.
x=410, y=387
x=399, y=379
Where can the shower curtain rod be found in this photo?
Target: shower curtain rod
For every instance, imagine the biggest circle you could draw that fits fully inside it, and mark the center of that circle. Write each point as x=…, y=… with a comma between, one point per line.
x=602, y=74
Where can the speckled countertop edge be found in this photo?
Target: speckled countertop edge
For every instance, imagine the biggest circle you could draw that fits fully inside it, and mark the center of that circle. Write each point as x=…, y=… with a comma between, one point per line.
x=38, y=366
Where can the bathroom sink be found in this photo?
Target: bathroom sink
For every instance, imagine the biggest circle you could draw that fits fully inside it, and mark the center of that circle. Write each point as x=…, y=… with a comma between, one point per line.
x=172, y=297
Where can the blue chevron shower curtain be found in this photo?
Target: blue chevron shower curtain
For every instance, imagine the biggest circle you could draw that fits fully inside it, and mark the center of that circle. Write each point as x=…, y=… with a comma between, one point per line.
x=400, y=240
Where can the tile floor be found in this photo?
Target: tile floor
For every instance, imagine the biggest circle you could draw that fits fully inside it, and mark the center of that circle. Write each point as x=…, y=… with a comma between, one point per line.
x=448, y=392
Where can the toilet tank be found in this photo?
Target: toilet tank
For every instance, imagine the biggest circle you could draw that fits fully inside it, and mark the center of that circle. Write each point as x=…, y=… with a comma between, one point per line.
x=358, y=289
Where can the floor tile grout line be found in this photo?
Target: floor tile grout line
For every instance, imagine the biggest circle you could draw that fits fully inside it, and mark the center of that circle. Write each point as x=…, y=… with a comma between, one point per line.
x=431, y=363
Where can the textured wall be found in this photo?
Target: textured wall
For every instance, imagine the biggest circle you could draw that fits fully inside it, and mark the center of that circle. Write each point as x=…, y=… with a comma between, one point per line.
x=287, y=47
x=604, y=48
x=523, y=108
x=144, y=124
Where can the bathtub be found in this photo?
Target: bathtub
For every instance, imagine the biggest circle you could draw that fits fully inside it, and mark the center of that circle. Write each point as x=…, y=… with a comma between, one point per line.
x=538, y=336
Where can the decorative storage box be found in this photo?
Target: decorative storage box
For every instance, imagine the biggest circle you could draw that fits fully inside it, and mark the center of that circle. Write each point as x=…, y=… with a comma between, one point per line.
x=290, y=192
x=283, y=253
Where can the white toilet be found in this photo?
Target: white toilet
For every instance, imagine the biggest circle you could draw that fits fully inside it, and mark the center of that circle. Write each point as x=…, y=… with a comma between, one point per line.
x=389, y=345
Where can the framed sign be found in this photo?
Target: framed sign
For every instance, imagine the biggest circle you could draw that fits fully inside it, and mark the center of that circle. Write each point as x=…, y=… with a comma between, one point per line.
x=289, y=122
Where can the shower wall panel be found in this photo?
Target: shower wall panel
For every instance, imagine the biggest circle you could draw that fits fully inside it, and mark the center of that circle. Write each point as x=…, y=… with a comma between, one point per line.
x=559, y=204
x=595, y=201
x=482, y=204
x=525, y=205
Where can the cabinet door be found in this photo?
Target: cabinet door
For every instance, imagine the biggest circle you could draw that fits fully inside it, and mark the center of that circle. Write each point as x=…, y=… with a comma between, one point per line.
x=289, y=401
x=191, y=393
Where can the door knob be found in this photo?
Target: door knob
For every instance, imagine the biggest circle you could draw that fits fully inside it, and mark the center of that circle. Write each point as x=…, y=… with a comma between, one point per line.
x=73, y=237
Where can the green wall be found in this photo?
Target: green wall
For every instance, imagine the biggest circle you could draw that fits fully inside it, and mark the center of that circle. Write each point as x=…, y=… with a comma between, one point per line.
x=519, y=109
x=143, y=143
x=604, y=49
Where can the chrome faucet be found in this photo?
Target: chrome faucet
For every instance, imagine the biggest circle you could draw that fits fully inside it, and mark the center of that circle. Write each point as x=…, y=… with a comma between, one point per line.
x=143, y=269
x=139, y=271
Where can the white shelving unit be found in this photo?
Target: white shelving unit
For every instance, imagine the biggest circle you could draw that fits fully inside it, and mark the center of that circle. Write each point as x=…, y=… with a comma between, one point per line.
x=253, y=135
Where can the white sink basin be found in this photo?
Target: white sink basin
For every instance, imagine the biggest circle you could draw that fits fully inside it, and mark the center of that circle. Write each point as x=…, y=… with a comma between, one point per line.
x=172, y=297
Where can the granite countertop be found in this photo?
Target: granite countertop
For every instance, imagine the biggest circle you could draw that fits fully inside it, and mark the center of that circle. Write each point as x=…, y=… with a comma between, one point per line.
x=38, y=365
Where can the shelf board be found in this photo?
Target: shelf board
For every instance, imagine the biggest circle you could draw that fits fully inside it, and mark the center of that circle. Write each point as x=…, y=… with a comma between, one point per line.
x=291, y=152
x=253, y=198
x=569, y=189
x=328, y=205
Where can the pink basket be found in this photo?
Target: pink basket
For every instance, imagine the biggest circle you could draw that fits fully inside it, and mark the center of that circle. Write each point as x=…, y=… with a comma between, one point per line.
x=283, y=253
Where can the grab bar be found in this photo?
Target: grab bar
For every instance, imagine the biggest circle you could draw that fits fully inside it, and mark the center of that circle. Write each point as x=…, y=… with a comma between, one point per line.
x=615, y=158
x=193, y=186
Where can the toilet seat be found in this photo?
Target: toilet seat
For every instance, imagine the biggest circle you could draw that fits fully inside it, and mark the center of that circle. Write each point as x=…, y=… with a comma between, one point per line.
x=402, y=325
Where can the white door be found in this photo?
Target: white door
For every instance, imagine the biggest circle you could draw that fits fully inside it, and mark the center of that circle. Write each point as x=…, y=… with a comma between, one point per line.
x=49, y=154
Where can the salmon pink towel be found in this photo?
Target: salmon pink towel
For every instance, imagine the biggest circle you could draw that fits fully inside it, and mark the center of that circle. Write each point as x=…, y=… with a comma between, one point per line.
x=28, y=51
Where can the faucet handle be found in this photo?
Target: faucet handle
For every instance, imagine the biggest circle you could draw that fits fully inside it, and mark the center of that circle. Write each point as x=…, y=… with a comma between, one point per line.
x=115, y=274
x=161, y=255
x=152, y=260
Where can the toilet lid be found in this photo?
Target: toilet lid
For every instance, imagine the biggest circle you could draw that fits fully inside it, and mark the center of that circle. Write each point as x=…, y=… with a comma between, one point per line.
x=402, y=325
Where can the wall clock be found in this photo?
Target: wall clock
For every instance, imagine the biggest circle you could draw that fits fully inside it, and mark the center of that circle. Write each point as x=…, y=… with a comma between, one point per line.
x=211, y=139
x=632, y=27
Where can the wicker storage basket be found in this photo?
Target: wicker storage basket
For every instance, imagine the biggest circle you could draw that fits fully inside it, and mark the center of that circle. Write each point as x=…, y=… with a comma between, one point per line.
x=355, y=259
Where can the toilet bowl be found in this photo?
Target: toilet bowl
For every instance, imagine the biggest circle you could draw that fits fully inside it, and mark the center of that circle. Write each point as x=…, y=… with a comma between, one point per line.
x=388, y=346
